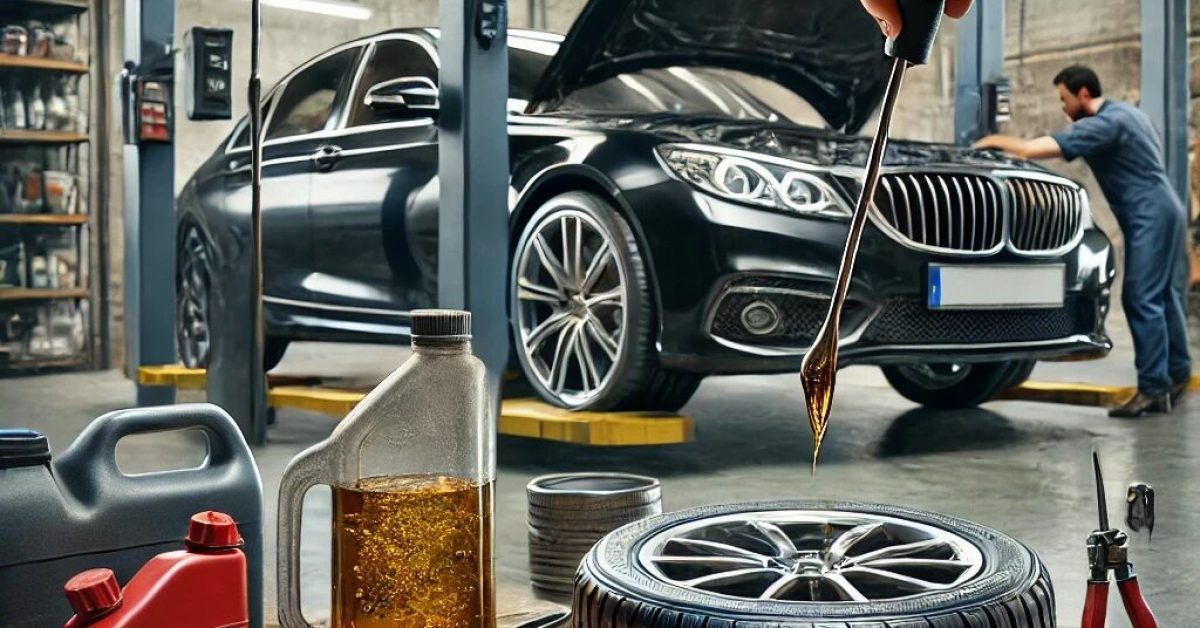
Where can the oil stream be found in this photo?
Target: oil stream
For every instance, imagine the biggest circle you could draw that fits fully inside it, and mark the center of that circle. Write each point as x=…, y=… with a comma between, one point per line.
x=818, y=372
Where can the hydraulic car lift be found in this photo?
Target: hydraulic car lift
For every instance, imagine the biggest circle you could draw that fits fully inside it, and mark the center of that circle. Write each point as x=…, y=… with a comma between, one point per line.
x=518, y=417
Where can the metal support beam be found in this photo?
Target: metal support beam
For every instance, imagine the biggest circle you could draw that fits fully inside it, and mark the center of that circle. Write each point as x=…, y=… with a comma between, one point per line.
x=979, y=60
x=149, y=213
x=1165, y=76
x=473, y=173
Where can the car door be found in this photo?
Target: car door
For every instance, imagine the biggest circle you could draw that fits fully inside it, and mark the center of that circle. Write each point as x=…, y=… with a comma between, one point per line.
x=381, y=172
x=301, y=110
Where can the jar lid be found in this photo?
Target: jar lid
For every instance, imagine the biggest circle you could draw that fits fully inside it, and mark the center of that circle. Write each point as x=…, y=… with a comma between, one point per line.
x=23, y=448
x=447, y=324
x=93, y=592
x=212, y=530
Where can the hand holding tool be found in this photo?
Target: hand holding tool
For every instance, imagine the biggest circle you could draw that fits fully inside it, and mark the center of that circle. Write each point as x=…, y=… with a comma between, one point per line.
x=921, y=19
x=1108, y=551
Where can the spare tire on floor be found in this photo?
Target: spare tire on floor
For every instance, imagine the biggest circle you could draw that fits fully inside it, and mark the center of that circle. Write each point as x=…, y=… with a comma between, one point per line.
x=803, y=564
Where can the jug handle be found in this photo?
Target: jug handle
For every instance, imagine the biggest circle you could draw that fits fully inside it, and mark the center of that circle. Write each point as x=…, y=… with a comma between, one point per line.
x=305, y=471
x=97, y=444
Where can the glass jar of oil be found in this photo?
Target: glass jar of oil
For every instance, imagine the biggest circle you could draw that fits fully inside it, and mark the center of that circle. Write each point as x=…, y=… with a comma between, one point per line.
x=412, y=469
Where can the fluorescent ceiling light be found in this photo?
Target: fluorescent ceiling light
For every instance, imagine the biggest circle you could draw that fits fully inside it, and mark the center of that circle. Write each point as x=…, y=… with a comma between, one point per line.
x=335, y=8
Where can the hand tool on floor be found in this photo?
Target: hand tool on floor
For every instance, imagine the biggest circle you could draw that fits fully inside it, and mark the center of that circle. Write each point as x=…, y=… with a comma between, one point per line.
x=920, y=22
x=1108, y=551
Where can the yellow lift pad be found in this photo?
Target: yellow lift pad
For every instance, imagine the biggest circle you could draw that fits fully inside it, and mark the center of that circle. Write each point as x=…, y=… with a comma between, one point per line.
x=518, y=417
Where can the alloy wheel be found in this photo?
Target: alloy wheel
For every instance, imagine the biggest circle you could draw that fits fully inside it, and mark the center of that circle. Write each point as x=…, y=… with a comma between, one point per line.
x=811, y=556
x=571, y=305
x=192, y=301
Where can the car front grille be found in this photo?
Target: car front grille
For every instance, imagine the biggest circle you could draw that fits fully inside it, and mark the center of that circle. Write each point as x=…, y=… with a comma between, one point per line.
x=965, y=214
x=961, y=213
x=910, y=321
x=1046, y=216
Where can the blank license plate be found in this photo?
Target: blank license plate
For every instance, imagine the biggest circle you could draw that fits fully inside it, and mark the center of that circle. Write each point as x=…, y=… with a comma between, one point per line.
x=995, y=287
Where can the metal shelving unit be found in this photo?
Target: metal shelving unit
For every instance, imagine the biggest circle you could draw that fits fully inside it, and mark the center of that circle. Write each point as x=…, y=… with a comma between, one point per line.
x=45, y=263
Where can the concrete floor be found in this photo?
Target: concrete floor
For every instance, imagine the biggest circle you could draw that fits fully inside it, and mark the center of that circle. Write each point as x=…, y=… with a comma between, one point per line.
x=1020, y=467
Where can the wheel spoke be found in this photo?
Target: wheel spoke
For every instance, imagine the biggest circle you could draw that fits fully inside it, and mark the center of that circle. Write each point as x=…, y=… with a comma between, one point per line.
x=602, y=338
x=527, y=290
x=844, y=587
x=780, y=587
x=558, y=369
x=775, y=536
x=577, y=266
x=614, y=297
x=720, y=549
x=729, y=577
x=550, y=262
x=595, y=269
x=897, y=551
x=934, y=563
x=587, y=362
x=542, y=332
x=843, y=544
x=708, y=561
x=895, y=577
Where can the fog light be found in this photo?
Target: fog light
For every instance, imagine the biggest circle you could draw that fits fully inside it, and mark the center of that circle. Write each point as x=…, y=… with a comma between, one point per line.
x=760, y=317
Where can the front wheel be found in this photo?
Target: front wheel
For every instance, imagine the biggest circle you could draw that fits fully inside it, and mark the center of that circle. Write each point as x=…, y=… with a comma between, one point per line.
x=583, y=314
x=193, y=306
x=952, y=386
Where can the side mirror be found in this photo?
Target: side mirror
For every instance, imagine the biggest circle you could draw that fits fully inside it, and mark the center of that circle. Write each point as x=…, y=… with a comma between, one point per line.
x=415, y=96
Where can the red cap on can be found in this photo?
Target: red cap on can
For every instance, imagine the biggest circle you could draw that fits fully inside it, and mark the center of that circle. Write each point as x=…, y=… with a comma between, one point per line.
x=212, y=530
x=93, y=592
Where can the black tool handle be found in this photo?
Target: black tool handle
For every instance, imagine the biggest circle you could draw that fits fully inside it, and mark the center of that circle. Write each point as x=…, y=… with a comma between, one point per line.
x=920, y=21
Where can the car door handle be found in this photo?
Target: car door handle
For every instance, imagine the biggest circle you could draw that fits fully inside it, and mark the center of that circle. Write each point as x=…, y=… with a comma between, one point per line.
x=326, y=156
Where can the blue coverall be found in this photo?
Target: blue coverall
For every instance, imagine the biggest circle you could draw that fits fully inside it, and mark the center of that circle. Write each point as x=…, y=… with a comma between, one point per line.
x=1123, y=150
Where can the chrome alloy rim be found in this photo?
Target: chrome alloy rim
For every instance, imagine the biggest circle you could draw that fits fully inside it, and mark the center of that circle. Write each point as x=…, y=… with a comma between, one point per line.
x=571, y=305
x=810, y=556
x=192, y=302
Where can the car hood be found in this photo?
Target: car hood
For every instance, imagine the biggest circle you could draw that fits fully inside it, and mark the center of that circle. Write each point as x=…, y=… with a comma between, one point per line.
x=830, y=52
x=818, y=147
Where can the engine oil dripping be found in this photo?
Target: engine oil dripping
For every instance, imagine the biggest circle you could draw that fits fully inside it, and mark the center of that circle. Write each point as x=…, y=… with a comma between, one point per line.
x=911, y=46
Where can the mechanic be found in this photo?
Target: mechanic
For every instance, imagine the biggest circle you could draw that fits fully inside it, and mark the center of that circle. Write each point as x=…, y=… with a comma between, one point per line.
x=887, y=13
x=1119, y=143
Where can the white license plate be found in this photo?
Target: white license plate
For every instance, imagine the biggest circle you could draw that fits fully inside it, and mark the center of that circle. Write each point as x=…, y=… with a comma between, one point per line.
x=995, y=287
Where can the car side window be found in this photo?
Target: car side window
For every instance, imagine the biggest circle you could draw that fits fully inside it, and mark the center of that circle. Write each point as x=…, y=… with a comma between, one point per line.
x=309, y=97
x=391, y=59
x=243, y=129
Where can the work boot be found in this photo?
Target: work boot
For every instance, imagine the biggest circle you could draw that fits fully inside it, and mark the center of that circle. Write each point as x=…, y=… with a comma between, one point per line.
x=1179, y=391
x=1141, y=405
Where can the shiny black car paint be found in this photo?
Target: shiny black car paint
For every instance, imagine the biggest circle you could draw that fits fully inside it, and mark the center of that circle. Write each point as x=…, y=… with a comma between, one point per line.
x=351, y=238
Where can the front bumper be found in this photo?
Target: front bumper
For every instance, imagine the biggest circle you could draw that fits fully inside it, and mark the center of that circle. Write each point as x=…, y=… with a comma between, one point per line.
x=715, y=259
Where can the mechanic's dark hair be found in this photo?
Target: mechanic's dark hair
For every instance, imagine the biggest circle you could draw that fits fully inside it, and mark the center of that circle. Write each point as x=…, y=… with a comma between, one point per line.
x=1078, y=77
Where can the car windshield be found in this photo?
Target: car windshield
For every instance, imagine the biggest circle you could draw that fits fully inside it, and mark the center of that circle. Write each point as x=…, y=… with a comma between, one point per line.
x=694, y=91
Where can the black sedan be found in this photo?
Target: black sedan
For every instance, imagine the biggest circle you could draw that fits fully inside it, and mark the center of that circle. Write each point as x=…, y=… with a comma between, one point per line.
x=682, y=176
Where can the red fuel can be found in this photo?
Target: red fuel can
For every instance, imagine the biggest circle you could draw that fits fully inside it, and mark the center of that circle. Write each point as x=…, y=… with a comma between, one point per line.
x=203, y=586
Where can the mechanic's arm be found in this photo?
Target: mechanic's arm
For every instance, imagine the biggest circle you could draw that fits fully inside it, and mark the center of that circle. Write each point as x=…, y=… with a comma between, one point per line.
x=1044, y=147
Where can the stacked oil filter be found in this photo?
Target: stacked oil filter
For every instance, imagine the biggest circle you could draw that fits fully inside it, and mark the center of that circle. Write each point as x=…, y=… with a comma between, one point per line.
x=569, y=512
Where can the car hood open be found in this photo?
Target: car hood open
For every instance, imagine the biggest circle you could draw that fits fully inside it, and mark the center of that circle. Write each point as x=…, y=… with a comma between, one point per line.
x=830, y=52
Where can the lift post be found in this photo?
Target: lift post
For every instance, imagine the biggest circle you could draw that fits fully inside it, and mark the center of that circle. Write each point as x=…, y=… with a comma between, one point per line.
x=979, y=61
x=473, y=173
x=1165, y=82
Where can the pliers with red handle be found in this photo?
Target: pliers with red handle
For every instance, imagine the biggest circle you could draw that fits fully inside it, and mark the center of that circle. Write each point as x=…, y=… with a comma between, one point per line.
x=1108, y=552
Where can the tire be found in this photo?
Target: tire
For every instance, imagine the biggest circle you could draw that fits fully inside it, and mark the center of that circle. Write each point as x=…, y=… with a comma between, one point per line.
x=1005, y=586
x=582, y=312
x=953, y=386
x=1021, y=370
x=193, y=306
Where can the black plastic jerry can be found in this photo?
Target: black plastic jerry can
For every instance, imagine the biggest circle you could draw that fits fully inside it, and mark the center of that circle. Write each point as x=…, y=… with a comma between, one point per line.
x=77, y=511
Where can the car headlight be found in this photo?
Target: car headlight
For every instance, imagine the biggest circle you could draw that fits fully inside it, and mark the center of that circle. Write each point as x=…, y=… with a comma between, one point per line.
x=756, y=181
